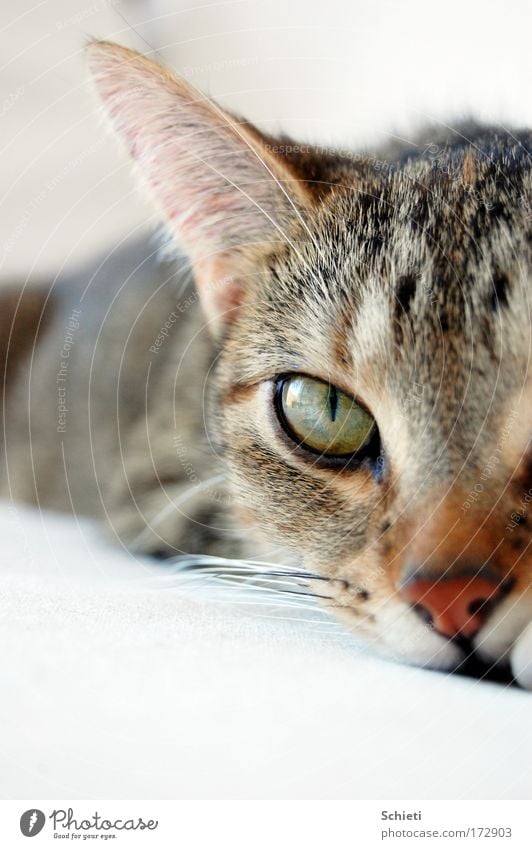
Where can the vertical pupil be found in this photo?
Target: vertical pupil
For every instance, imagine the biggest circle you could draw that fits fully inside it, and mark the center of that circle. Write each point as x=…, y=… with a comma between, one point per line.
x=332, y=399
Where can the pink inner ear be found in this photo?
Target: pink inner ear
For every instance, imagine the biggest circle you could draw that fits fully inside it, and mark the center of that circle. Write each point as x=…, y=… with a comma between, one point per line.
x=200, y=200
x=216, y=185
x=221, y=292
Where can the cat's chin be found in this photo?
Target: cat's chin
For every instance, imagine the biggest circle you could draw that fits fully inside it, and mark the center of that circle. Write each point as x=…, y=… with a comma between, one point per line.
x=502, y=651
x=496, y=641
x=399, y=635
x=506, y=640
x=521, y=659
x=462, y=659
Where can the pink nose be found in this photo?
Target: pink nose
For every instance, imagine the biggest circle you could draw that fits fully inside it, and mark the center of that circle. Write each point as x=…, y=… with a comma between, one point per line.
x=455, y=607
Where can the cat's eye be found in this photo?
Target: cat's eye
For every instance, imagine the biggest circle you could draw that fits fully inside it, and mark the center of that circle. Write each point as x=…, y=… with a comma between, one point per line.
x=322, y=418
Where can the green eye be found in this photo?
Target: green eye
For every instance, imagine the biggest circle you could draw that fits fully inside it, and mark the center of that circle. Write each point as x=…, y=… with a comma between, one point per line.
x=323, y=418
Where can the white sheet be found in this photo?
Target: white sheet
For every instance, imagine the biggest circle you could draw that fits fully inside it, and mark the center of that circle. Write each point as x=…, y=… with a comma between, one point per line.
x=118, y=683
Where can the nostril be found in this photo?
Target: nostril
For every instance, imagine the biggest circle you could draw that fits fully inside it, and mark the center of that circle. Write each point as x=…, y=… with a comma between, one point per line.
x=478, y=605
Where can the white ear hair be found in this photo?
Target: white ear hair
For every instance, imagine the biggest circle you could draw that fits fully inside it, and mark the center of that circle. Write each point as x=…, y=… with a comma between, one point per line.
x=218, y=186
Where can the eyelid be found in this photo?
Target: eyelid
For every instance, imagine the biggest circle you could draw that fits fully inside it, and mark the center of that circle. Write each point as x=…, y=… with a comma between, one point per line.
x=341, y=388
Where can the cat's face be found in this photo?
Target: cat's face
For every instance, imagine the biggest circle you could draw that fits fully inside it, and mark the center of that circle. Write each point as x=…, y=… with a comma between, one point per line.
x=371, y=394
x=414, y=329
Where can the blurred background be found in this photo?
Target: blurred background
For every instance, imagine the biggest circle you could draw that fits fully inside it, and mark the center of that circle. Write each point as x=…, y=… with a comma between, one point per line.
x=345, y=72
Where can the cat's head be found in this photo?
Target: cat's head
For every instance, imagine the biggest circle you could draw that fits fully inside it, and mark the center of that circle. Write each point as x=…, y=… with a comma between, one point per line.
x=371, y=392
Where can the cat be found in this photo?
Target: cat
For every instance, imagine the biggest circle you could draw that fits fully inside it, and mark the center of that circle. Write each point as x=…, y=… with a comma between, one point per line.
x=326, y=371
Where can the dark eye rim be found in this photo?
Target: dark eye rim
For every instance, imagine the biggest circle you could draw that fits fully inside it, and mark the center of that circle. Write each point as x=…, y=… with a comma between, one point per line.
x=371, y=456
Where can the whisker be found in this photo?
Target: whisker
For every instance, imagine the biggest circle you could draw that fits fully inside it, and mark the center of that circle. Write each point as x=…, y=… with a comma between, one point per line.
x=263, y=588
x=242, y=601
x=257, y=578
x=208, y=561
x=248, y=594
x=255, y=584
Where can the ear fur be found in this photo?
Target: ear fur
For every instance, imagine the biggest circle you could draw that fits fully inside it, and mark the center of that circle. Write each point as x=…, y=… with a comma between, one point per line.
x=219, y=188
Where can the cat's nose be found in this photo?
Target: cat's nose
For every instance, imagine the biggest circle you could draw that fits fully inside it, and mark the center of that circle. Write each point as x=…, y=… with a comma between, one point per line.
x=457, y=606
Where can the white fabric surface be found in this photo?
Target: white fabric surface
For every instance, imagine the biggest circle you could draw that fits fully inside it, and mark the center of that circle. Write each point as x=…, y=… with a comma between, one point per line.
x=119, y=683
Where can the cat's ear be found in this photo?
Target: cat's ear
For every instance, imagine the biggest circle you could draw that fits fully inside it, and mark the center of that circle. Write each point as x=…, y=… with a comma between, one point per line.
x=219, y=187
